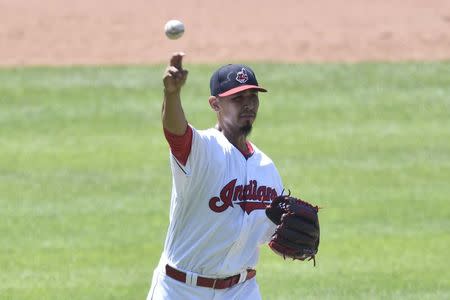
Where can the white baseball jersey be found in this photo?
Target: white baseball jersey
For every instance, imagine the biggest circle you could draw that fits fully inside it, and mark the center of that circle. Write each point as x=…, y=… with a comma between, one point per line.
x=217, y=216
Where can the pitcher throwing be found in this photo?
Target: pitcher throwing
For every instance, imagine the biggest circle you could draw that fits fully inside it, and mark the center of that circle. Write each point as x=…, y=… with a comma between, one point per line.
x=222, y=184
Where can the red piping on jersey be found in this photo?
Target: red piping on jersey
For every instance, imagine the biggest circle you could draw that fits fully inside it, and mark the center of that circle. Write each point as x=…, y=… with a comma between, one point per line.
x=249, y=149
x=180, y=145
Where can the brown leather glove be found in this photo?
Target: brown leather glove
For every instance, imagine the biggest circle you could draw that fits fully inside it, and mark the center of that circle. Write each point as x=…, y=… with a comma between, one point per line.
x=298, y=233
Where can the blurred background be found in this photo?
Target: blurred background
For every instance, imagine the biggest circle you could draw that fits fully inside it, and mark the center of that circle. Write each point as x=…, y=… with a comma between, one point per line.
x=130, y=32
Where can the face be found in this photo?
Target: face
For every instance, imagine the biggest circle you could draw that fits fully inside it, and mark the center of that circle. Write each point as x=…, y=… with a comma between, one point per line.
x=237, y=112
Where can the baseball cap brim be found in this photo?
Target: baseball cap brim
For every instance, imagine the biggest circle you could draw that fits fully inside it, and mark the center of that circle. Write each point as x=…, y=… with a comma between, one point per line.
x=242, y=88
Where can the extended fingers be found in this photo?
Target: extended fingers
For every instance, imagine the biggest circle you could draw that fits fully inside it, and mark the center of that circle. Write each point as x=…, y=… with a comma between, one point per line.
x=177, y=60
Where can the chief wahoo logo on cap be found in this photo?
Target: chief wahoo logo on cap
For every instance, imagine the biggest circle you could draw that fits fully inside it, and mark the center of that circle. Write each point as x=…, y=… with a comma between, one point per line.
x=242, y=76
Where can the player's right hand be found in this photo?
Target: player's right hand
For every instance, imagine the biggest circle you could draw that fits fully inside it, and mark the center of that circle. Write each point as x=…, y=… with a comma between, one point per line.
x=175, y=76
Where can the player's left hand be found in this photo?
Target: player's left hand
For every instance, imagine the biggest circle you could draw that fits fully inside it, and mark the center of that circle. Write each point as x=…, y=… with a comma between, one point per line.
x=298, y=233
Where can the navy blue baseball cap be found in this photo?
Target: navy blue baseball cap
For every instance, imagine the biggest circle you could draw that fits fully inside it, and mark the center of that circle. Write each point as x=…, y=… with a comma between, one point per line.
x=232, y=79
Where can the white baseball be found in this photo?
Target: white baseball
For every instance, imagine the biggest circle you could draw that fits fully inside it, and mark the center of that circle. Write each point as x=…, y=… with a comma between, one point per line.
x=174, y=29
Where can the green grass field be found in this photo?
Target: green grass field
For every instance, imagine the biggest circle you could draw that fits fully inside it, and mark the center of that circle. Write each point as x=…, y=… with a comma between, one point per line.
x=85, y=180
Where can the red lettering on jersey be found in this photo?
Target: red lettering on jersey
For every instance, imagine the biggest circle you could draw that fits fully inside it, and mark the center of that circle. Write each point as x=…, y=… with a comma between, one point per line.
x=249, y=197
x=255, y=185
x=261, y=193
x=225, y=197
x=247, y=190
x=238, y=193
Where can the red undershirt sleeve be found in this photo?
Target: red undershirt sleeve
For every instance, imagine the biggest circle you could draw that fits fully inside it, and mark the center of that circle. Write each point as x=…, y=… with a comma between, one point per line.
x=180, y=145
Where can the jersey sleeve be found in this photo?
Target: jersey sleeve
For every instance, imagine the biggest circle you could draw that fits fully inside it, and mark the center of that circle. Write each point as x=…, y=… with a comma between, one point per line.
x=180, y=145
x=189, y=158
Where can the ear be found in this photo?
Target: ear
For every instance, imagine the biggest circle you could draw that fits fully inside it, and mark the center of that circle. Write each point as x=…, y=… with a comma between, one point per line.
x=214, y=103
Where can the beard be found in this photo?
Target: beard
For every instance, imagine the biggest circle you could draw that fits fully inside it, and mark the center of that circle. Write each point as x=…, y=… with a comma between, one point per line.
x=246, y=129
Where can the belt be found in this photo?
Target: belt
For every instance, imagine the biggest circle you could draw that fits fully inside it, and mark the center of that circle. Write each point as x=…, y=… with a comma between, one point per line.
x=219, y=283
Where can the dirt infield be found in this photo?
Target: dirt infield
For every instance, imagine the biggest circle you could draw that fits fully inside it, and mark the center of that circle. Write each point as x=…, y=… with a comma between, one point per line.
x=63, y=32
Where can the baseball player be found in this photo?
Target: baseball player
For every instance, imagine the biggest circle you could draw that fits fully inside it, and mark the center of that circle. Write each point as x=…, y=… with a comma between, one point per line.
x=221, y=185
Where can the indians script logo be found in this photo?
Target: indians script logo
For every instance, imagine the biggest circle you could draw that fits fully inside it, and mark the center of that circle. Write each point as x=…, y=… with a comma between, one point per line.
x=242, y=76
x=249, y=197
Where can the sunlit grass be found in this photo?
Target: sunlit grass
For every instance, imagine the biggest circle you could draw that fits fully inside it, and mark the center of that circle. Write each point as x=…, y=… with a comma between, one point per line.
x=85, y=179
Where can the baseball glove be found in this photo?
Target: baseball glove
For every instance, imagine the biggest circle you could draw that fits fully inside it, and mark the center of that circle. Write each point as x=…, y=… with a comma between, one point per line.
x=298, y=233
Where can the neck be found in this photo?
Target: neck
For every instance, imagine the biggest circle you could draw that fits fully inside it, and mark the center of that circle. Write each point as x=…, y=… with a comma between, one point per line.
x=238, y=139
